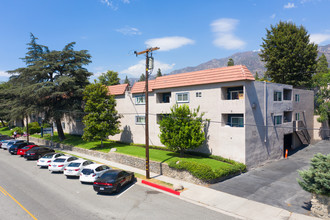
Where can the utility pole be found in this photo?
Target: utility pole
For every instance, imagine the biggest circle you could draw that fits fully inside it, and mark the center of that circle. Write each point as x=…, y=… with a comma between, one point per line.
x=149, y=66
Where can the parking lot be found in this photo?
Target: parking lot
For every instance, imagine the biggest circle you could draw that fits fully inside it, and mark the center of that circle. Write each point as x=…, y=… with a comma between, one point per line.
x=26, y=188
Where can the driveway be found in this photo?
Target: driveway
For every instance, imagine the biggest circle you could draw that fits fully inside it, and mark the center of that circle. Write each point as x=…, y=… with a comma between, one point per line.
x=275, y=183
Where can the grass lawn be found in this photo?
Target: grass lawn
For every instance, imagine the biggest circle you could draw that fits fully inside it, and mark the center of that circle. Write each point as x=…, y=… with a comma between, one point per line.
x=155, y=155
x=5, y=131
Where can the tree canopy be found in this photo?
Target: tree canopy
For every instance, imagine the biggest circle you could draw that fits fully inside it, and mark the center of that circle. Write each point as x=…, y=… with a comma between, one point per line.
x=109, y=78
x=230, y=62
x=289, y=56
x=142, y=78
x=101, y=119
x=159, y=73
x=127, y=81
x=182, y=129
x=54, y=80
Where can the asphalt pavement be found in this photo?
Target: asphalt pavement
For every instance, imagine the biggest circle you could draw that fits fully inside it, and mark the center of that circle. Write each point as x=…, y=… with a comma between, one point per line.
x=276, y=183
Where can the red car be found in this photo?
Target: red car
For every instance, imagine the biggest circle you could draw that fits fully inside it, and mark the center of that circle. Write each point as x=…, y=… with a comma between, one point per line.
x=24, y=149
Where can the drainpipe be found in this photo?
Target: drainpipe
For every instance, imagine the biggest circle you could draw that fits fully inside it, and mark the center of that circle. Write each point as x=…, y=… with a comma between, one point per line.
x=265, y=110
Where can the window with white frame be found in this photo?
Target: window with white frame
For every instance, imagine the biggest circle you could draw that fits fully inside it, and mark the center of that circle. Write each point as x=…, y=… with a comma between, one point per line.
x=182, y=97
x=198, y=94
x=140, y=119
x=234, y=120
x=278, y=119
x=277, y=96
x=296, y=97
x=297, y=116
x=140, y=100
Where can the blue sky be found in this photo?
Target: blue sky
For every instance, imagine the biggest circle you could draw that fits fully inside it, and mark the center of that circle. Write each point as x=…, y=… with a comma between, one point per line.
x=188, y=32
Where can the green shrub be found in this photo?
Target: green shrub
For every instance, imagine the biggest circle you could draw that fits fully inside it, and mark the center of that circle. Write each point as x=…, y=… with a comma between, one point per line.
x=200, y=171
x=18, y=130
x=33, y=128
x=317, y=178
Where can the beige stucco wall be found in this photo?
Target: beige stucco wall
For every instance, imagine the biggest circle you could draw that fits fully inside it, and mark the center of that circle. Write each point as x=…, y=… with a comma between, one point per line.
x=321, y=131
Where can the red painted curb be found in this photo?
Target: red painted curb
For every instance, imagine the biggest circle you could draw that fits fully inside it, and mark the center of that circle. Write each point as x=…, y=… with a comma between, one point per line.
x=161, y=187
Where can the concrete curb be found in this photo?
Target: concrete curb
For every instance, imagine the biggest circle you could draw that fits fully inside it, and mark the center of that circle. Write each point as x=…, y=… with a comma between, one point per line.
x=161, y=187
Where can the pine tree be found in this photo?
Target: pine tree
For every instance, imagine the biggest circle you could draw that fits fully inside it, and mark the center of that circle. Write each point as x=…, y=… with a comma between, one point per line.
x=142, y=78
x=317, y=178
x=230, y=62
x=127, y=81
x=256, y=77
x=289, y=55
x=102, y=119
x=109, y=78
x=159, y=73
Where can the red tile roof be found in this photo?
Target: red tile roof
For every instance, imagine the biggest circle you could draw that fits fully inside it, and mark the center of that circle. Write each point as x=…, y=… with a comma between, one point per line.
x=117, y=89
x=209, y=76
x=139, y=87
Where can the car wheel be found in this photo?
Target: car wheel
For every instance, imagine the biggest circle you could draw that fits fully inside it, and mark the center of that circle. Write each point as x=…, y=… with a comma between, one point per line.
x=118, y=188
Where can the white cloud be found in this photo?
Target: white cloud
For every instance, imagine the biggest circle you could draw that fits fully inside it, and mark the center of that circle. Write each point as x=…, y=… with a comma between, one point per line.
x=139, y=68
x=129, y=31
x=224, y=37
x=169, y=43
x=319, y=38
x=111, y=3
x=289, y=5
x=4, y=73
x=273, y=16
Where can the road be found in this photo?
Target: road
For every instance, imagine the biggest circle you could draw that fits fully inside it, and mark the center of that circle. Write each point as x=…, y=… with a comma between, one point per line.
x=275, y=183
x=29, y=192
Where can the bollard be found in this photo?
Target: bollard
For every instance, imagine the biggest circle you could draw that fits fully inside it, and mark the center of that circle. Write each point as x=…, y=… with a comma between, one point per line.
x=286, y=153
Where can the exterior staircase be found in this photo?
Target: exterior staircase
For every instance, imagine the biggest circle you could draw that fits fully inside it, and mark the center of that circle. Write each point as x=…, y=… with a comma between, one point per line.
x=301, y=130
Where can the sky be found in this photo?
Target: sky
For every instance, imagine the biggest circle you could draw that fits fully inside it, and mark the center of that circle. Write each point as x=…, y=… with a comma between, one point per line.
x=188, y=32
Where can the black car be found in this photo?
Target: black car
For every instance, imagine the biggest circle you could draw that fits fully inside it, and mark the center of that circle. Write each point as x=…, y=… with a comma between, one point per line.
x=15, y=147
x=112, y=181
x=37, y=152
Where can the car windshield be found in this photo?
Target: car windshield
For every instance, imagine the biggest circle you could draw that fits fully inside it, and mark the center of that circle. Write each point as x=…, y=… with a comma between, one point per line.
x=87, y=171
x=59, y=160
x=48, y=156
x=110, y=175
x=10, y=142
x=25, y=148
x=74, y=165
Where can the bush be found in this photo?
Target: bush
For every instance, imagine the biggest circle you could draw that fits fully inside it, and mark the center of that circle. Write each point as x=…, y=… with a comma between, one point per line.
x=18, y=130
x=33, y=128
x=317, y=178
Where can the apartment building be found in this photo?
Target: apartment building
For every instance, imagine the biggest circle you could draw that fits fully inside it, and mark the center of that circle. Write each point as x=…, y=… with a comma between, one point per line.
x=249, y=121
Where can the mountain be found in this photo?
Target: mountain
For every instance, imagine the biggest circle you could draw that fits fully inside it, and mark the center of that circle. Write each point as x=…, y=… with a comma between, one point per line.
x=250, y=59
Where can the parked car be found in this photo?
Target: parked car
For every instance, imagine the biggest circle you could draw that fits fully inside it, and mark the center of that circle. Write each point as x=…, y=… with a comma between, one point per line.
x=48, y=158
x=112, y=181
x=6, y=145
x=23, y=150
x=37, y=152
x=4, y=141
x=15, y=147
x=90, y=173
x=74, y=168
x=60, y=163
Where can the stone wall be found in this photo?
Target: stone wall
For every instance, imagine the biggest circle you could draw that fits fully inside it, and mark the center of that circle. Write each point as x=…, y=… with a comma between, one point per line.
x=155, y=167
x=321, y=206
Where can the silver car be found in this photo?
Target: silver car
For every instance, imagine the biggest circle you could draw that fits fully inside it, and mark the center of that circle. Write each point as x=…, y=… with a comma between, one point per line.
x=8, y=144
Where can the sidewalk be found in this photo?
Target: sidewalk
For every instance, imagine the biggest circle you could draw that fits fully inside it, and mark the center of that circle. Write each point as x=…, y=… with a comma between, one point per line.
x=235, y=206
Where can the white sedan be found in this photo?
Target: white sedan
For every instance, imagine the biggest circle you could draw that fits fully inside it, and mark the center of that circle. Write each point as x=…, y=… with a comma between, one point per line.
x=48, y=158
x=91, y=172
x=60, y=163
x=74, y=168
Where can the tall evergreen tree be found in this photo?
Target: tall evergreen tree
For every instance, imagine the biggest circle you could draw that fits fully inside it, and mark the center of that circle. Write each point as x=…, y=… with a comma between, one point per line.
x=54, y=80
x=159, y=73
x=289, y=55
x=142, y=78
x=230, y=62
x=127, y=81
x=101, y=119
x=109, y=78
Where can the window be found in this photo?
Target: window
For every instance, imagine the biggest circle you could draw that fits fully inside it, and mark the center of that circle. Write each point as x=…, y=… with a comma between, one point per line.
x=277, y=96
x=297, y=117
x=287, y=93
x=296, y=97
x=278, y=119
x=235, y=93
x=235, y=120
x=140, y=100
x=287, y=117
x=140, y=120
x=182, y=97
x=163, y=97
x=198, y=94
